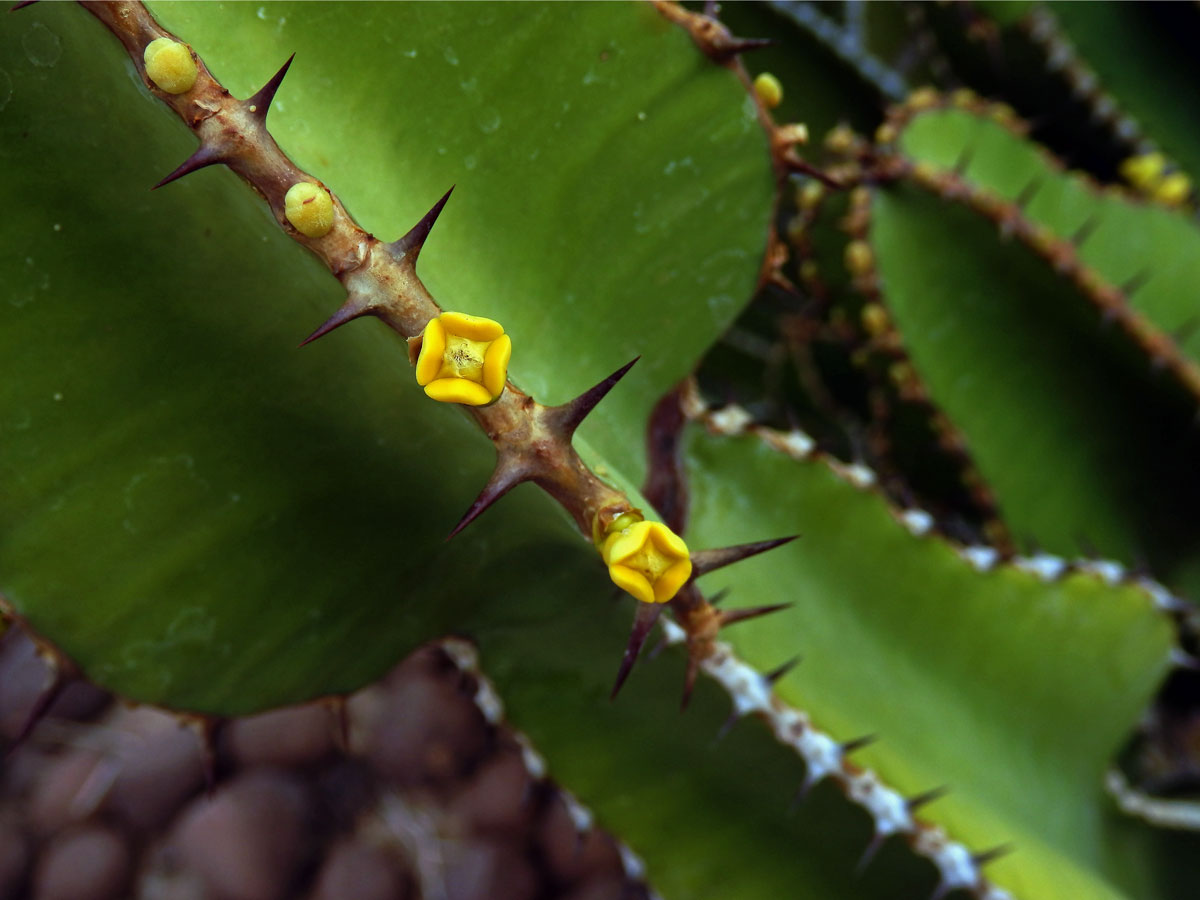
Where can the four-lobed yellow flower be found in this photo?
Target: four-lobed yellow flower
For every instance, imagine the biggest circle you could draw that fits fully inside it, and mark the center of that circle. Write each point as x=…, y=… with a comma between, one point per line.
x=463, y=359
x=647, y=559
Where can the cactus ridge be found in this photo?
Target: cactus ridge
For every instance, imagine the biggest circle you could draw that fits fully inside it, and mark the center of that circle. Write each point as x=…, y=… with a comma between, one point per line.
x=1102, y=278
x=1061, y=57
x=848, y=313
x=732, y=421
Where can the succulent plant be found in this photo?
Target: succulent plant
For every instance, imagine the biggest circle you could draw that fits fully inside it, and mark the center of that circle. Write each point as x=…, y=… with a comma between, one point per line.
x=966, y=378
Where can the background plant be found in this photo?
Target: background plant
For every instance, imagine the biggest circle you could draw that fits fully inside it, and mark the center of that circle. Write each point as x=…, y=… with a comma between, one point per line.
x=991, y=356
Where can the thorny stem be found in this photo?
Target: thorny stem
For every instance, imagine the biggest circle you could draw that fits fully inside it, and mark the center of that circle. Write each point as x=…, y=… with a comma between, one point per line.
x=379, y=281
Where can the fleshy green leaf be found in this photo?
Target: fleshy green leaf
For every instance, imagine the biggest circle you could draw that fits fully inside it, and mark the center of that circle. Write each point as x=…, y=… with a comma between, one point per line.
x=1012, y=690
x=204, y=516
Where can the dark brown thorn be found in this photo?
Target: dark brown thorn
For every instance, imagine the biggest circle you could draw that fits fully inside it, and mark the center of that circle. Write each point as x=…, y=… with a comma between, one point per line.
x=869, y=854
x=733, y=616
x=203, y=157
x=689, y=681
x=744, y=45
x=1186, y=330
x=775, y=674
x=353, y=308
x=566, y=417
x=1085, y=231
x=985, y=857
x=924, y=799
x=258, y=105
x=1134, y=284
x=38, y=711
x=415, y=239
x=719, y=597
x=858, y=743
x=647, y=614
x=705, y=561
x=1027, y=193
x=21, y=5
x=506, y=477
x=964, y=160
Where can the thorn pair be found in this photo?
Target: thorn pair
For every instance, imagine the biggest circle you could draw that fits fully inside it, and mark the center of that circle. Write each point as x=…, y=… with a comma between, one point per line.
x=207, y=155
x=409, y=246
x=703, y=562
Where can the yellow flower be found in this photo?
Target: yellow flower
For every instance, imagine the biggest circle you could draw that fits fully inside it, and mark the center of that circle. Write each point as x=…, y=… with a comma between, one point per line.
x=463, y=359
x=647, y=559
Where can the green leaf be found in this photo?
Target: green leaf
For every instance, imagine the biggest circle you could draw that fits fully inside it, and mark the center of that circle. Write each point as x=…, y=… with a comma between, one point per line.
x=205, y=517
x=1084, y=448
x=1013, y=690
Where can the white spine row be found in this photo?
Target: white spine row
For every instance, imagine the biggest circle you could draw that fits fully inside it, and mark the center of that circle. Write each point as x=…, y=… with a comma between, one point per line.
x=1179, y=814
x=464, y=655
x=824, y=758
x=733, y=420
x=822, y=755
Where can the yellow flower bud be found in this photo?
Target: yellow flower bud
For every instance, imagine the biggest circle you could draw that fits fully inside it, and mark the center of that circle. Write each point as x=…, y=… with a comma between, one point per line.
x=647, y=559
x=169, y=65
x=769, y=90
x=463, y=359
x=1144, y=171
x=1173, y=190
x=309, y=208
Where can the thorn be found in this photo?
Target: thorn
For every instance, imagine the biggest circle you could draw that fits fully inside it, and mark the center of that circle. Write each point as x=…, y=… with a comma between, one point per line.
x=705, y=561
x=261, y=102
x=566, y=417
x=203, y=157
x=726, y=727
x=689, y=682
x=353, y=307
x=1084, y=231
x=717, y=598
x=744, y=45
x=38, y=711
x=869, y=854
x=504, y=479
x=858, y=743
x=915, y=803
x=1027, y=193
x=1186, y=330
x=414, y=240
x=776, y=674
x=21, y=5
x=1134, y=284
x=989, y=856
x=647, y=614
x=964, y=160
x=733, y=616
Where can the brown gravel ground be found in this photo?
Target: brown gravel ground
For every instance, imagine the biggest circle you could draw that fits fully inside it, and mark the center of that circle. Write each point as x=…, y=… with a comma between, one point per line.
x=107, y=801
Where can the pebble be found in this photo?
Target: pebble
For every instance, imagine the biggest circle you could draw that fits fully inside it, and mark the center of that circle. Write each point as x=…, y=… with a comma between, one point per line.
x=89, y=863
x=249, y=841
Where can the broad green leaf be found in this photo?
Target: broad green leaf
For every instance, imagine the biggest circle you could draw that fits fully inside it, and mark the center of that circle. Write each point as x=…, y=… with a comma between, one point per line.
x=204, y=516
x=1084, y=447
x=612, y=185
x=1014, y=691
x=1127, y=240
